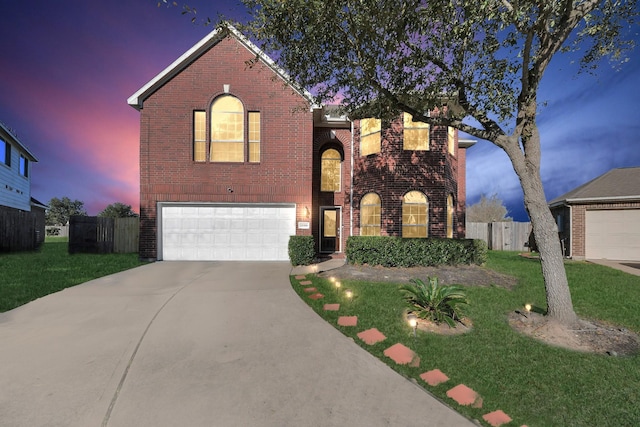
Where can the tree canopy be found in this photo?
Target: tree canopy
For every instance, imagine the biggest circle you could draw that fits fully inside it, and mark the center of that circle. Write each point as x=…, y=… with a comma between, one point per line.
x=472, y=65
x=488, y=209
x=60, y=210
x=118, y=210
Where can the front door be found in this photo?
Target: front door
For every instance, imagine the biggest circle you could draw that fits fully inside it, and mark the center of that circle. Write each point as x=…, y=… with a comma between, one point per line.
x=330, y=229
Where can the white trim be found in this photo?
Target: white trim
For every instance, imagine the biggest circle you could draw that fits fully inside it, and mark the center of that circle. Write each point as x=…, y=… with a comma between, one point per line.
x=137, y=99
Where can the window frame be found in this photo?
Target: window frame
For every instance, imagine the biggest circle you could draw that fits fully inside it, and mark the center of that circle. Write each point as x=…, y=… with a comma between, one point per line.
x=373, y=127
x=252, y=144
x=225, y=150
x=451, y=140
x=451, y=208
x=371, y=225
x=24, y=166
x=406, y=210
x=203, y=139
x=7, y=152
x=336, y=188
x=411, y=128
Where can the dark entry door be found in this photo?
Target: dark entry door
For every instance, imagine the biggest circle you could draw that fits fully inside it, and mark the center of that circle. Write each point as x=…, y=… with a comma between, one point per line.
x=330, y=229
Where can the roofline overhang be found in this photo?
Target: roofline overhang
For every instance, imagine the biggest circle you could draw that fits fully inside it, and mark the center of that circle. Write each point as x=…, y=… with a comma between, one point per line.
x=466, y=143
x=11, y=135
x=586, y=200
x=137, y=99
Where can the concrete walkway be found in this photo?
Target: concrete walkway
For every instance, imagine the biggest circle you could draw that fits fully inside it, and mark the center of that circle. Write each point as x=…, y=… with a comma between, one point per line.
x=195, y=344
x=631, y=267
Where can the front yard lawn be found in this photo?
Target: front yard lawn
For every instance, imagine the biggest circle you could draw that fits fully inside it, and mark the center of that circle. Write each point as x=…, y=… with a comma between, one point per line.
x=27, y=276
x=534, y=383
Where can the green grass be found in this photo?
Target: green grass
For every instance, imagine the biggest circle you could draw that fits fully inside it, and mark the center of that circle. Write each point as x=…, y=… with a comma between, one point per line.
x=534, y=383
x=27, y=276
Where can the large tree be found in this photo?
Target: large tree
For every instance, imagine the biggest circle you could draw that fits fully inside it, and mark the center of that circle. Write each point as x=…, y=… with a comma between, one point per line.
x=473, y=65
x=60, y=210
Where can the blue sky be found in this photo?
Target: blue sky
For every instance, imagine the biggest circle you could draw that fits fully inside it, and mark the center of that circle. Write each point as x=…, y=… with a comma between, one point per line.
x=69, y=66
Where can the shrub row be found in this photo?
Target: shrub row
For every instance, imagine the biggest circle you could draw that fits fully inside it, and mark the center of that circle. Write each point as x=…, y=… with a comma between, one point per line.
x=398, y=252
x=301, y=250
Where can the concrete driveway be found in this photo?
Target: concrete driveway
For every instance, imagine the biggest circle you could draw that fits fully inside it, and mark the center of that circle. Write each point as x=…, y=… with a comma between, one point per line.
x=195, y=344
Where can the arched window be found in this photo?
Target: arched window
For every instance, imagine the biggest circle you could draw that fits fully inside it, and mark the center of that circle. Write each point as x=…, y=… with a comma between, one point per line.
x=415, y=219
x=370, y=132
x=330, y=175
x=416, y=134
x=370, y=215
x=227, y=130
x=450, y=212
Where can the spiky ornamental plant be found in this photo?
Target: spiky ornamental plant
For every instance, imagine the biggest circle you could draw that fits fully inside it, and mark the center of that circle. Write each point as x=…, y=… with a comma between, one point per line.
x=435, y=302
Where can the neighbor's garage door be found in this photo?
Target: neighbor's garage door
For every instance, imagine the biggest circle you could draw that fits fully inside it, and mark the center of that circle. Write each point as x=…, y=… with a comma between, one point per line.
x=613, y=234
x=243, y=232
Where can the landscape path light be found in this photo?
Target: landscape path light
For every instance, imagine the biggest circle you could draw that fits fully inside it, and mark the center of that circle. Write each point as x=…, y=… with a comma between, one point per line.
x=413, y=322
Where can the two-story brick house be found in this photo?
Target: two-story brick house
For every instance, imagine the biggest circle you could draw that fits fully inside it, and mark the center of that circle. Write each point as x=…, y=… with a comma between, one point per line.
x=235, y=158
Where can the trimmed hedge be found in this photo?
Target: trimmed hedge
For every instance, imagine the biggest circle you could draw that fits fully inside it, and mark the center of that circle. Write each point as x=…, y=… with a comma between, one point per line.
x=398, y=252
x=301, y=250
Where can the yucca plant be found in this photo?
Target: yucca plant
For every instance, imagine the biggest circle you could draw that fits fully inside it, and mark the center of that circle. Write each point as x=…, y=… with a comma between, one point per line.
x=434, y=302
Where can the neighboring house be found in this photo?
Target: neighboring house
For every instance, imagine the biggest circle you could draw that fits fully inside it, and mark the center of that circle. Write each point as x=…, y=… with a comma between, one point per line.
x=601, y=219
x=235, y=158
x=15, y=181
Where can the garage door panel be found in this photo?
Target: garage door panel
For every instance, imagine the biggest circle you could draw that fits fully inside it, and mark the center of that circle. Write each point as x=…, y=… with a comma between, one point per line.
x=613, y=234
x=226, y=233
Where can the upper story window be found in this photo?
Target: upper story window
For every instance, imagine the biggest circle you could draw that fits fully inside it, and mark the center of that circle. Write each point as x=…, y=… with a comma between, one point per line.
x=370, y=131
x=5, y=152
x=451, y=140
x=227, y=130
x=230, y=140
x=330, y=170
x=416, y=134
x=415, y=219
x=199, y=136
x=254, y=136
x=450, y=212
x=24, y=166
x=370, y=215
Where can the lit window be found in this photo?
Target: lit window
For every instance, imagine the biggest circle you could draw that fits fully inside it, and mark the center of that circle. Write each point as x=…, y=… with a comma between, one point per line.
x=24, y=166
x=370, y=215
x=450, y=212
x=227, y=130
x=369, y=136
x=451, y=140
x=199, y=136
x=254, y=137
x=5, y=152
x=416, y=134
x=414, y=215
x=330, y=178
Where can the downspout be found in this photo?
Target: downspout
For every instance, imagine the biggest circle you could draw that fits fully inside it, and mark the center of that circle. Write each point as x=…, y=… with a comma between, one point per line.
x=570, y=253
x=351, y=189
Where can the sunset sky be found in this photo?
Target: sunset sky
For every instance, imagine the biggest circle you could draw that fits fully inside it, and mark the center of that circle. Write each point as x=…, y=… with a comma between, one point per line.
x=68, y=67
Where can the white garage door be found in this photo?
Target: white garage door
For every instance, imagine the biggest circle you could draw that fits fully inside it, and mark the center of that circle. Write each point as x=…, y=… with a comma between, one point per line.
x=229, y=232
x=613, y=234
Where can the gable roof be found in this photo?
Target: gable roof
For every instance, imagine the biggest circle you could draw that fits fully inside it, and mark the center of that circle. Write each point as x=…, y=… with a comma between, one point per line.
x=4, y=130
x=137, y=99
x=622, y=184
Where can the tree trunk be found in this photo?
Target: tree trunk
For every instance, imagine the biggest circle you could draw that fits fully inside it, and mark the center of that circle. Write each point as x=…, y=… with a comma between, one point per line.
x=559, y=304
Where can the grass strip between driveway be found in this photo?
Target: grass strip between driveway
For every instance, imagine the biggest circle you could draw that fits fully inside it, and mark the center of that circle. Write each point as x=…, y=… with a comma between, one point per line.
x=534, y=383
x=27, y=276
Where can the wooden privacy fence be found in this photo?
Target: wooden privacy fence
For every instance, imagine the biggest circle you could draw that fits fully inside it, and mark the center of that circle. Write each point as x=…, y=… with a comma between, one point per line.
x=501, y=236
x=19, y=231
x=103, y=235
